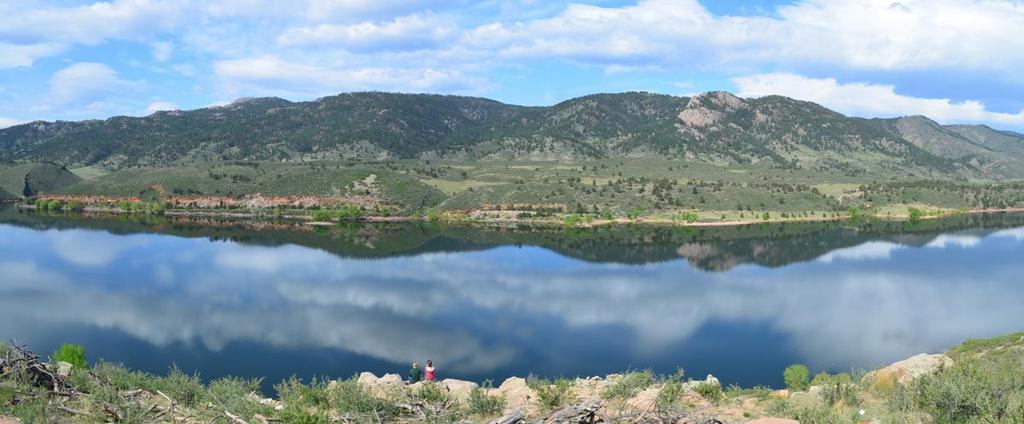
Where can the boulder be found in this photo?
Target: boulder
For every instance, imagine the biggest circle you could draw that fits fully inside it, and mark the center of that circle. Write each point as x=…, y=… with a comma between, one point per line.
x=644, y=400
x=390, y=380
x=367, y=379
x=64, y=369
x=518, y=394
x=910, y=369
x=9, y=420
x=459, y=389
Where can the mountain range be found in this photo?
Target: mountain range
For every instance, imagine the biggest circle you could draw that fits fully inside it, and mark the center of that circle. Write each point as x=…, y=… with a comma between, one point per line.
x=714, y=127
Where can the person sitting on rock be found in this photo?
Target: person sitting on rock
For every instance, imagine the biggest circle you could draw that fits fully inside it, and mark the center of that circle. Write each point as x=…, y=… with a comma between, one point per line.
x=415, y=374
x=431, y=372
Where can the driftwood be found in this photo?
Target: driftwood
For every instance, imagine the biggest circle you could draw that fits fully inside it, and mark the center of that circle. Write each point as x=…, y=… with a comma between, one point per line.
x=20, y=358
x=584, y=413
x=517, y=416
x=235, y=418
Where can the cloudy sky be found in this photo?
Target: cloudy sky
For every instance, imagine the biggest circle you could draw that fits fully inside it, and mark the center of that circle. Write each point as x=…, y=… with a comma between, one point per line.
x=953, y=60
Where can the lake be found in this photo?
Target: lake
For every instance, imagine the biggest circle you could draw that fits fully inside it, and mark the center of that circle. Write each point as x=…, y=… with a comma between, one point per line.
x=270, y=299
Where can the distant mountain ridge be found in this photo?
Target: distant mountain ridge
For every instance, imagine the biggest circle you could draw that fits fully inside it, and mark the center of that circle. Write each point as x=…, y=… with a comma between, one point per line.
x=715, y=127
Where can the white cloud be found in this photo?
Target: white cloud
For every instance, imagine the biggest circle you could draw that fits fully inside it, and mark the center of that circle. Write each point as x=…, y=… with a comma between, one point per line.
x=162, y=51
x=277, y=74
x=94, y=23
x=14, y=56
x=8, y=122
x=160, y=106
x=959, y=240
x=869, y=100
x=403, y=33
x=872, y=250
x=85, y=86
x=977, y=34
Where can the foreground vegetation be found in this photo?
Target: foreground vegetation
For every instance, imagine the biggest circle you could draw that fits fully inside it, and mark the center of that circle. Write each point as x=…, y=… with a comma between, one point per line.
x=983, y=383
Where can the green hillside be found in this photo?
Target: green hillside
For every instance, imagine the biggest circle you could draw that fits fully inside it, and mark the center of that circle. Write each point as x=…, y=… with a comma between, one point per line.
x=16, y=178
x=713, y=128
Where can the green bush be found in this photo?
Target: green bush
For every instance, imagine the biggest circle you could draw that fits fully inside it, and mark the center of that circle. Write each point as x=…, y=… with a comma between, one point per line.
x=687, y=216
x=122, y=378
x=629, y=384
x=72, y=354
x=321, y=215
x=672, y=390
x=915, y=215
x=431, y=393
x=349, y=397
x=837, y=388
x=763, y=393
x=299, y=415
x=796, y=377
x=233, y=394
x=187, y=390
x=349, y=213
x=817, y=415
x=484, y=405
x=294, y=392
x=552, y=394
x=975, y=390
x=712, y=392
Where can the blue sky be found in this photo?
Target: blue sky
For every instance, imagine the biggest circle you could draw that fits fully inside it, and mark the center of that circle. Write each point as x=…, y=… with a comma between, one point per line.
x=952, y=60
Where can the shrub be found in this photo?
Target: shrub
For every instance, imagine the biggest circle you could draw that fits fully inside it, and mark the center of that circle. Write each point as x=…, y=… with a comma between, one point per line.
x=233, y=394
x=572, y=220
x=299, y=415
x=320, y=215
x=915, y=215
x=349, y=213
x=838, y=388
x=72, y=354
x=688, y=216
x=763, y=393
x=432, y=393
x=348, y=396
x=817, y=415
x=122, y=378
x=294, y=392
x=482, y=404
x=974, y=390
x=629, y=384
x=186, y=389
x=796, y=377
x=712, y=392
x=552, y=394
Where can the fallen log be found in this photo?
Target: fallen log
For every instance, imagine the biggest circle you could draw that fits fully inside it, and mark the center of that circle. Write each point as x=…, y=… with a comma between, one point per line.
x=517, y=416
x=584, y=413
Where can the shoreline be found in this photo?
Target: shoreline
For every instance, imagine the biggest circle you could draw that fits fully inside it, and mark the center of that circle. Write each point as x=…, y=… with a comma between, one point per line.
x=84, y=393
x=558, y=221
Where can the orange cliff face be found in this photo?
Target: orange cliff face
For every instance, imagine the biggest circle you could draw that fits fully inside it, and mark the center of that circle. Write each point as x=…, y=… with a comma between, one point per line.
x=252, y=201
x=88, y=199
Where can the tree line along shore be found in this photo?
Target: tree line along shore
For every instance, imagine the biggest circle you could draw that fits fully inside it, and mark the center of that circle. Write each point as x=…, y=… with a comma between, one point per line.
x=979, y=381
x=316, y=211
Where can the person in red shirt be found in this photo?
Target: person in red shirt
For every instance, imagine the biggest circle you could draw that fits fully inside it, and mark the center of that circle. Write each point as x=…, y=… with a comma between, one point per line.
x=430, y=372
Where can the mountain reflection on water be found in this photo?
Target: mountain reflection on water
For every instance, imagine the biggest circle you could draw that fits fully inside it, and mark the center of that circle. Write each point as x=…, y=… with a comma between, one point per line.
x=266, y=300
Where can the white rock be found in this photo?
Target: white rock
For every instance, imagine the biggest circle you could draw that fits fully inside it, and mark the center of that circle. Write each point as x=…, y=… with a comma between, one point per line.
x=367, y=379
x=459, y=389
x=64, y=368
x=390, y=380
x=910, y=369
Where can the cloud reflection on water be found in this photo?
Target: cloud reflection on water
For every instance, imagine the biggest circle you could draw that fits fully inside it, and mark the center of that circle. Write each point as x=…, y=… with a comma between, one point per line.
x=837, y=311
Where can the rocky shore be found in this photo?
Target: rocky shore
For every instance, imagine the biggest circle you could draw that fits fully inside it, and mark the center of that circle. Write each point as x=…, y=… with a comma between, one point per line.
x=979, y=381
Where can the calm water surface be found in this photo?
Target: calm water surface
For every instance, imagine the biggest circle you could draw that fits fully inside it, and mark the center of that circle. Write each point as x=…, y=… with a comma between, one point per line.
x=262, y=300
